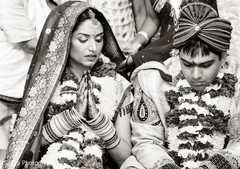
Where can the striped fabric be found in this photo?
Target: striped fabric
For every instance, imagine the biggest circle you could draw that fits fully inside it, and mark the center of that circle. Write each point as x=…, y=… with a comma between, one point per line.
x=201, y=20
x=60, y=124
x=105, y=129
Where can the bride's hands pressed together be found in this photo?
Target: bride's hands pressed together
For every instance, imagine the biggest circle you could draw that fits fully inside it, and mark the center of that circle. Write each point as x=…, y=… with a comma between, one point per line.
x=86, y=105
x=81, y=104
x=92, y=110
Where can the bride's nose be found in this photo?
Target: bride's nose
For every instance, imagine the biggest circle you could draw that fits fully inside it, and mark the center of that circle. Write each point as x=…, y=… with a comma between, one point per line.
x=92, y=45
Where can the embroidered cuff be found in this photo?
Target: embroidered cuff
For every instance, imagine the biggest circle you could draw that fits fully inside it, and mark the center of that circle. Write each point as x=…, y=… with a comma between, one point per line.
x=170, y=166
x=231, y=158
x=217, y=161
x=105, y=129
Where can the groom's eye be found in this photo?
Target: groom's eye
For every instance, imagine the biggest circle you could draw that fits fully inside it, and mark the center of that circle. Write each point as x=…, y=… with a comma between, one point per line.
x=187, y=64
x=206, y=65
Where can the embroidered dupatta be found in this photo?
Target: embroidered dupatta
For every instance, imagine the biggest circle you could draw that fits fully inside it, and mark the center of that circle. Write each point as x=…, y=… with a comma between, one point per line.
x=47, y=66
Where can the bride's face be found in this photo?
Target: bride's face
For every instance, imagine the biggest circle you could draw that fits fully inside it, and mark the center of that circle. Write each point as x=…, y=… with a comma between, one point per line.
x=86, y=44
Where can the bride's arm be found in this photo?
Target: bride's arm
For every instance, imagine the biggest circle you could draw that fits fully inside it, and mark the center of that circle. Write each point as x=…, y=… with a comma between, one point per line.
x=60, y=124
x=115, y=135
x=123, y=150
x=116, y=138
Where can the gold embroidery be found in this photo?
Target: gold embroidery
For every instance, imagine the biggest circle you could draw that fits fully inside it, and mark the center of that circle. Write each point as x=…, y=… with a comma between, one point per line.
x=48, y=74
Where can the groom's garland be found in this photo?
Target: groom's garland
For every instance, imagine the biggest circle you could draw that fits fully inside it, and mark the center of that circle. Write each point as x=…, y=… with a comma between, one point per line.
x=197, y=120
x=81, y=148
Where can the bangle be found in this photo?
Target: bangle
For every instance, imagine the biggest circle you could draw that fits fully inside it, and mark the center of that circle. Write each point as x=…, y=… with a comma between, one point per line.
x=144, y=34
x=61, y=124
x=136, y=46
x=105, y=129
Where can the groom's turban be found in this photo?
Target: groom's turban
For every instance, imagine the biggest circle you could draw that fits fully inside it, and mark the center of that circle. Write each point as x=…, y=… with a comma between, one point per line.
x=201, y=20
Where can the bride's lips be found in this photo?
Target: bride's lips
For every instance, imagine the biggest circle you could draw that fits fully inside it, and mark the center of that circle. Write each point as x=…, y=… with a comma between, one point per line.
x=91, y=57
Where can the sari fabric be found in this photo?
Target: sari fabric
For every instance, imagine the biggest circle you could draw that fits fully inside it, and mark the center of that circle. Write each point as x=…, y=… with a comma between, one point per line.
x=46, y=69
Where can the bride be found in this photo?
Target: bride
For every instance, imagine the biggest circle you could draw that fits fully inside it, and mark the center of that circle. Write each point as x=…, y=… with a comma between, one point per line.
x=76, y=108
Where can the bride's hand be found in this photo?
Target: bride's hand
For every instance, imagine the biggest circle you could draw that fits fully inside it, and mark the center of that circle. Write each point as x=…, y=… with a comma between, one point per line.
x=81, y=104
x=86, y=105
x=92, y=110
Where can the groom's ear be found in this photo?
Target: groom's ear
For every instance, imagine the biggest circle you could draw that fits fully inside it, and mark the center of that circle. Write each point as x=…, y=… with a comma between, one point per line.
x=223, y=57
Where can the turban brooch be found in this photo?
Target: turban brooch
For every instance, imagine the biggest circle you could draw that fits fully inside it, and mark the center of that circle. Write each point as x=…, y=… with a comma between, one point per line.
x=202, y=21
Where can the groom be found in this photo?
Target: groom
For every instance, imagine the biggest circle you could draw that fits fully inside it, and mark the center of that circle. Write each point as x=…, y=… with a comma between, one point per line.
x=187, y=110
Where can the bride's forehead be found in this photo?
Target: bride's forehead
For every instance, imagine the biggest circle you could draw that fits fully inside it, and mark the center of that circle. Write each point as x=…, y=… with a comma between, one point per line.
x=90, y=25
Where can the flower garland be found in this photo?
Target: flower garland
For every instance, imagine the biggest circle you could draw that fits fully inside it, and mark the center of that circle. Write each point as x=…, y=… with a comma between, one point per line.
x=198, y=119
x=81, y=148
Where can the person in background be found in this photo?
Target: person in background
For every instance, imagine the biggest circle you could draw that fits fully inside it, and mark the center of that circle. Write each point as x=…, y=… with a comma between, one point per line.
x=161, y=18
x=187, y=109
x=159, y=50
x=229, y=10
x=75, y=106
x=147, y=26
x=21, y=22
x=120, y=16
x=140, y=13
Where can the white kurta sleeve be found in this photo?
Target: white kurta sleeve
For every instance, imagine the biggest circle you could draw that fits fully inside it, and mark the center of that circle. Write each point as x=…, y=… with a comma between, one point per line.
x=14, y=21
x=148, y=131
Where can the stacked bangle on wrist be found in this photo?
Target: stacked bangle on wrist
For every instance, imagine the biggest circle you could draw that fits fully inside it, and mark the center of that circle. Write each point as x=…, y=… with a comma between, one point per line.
x=144, y=34
x=105, y=129
x=60, y=125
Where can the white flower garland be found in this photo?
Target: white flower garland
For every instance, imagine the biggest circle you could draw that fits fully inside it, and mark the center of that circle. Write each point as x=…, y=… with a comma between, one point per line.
x=65, y=152
x=194, y=133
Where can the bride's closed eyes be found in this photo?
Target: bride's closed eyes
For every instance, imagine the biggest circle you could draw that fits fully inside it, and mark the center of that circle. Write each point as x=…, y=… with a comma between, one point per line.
x=83, y=38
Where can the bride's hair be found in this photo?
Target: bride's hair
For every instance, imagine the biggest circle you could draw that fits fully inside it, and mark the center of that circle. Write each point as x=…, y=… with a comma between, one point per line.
x=87, y=14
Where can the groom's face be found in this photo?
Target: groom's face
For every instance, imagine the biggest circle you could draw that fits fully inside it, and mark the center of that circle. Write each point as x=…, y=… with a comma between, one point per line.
x=199, y=70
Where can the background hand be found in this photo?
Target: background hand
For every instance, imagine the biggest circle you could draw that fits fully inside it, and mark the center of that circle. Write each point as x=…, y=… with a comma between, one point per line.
x=127, y=65
x=132, y=49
